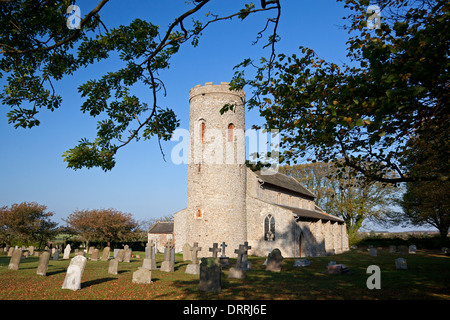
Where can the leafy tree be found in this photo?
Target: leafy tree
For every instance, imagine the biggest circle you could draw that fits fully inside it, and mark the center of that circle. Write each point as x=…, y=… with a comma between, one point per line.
x=393, y=94
x=346, y=194
x=38, y=48
x=105, y=225
x=26, y=222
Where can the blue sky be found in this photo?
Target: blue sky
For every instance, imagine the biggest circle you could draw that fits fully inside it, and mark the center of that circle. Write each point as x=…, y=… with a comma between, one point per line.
x=142, y=183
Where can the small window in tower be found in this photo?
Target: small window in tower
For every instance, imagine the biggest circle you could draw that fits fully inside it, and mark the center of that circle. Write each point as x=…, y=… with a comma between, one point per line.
x=230, y=132
x=203, y=131
x=198, y=214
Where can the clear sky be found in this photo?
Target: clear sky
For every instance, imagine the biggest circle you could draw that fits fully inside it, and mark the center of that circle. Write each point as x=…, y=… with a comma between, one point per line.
x=142, y=183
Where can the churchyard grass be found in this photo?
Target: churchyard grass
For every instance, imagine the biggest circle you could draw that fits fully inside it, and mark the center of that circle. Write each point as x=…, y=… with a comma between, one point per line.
x=427, y=277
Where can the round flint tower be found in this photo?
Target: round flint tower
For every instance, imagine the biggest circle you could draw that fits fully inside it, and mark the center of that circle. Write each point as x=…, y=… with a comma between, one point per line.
x=216, y=210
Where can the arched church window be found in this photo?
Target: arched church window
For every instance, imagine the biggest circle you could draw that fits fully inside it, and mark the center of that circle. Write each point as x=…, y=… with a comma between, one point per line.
x=203, y=128
x=230, y=132
x=269, y=228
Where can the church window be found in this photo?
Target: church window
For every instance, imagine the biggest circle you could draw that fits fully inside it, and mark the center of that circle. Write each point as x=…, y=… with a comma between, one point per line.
x=269, y=228
x=230, y=132
x=203, y=127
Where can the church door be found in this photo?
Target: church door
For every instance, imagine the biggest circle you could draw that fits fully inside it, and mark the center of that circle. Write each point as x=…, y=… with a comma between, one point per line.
x=300, y=245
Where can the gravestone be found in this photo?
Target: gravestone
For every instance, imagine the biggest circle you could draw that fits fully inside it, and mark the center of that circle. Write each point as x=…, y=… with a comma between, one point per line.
x=43, y=263
x=90, y=250
x=80, y=253
x=412, y=249
x=274, y=261
x=127, y=255
x=392, y=249
x=67, y=252
x=14, y=262
x=168, y=265
x=94, y=256
x=31, y=250
x=403, y=249
x=215, y=250
x=224, y=260
x=113, y=266
x=116, y=251
x=105, y=253
x=120, y=255
x=142, y=276
x=56, y=255
x=337, y=269
x=187, y=252
x=210, y=275
x=238, y=272
x=74, y=273
x=10, y=251
x=400, y=264
x=373, y=252
x=194, y=267
x=149, y=264
x=302, y=263
x=246, y=265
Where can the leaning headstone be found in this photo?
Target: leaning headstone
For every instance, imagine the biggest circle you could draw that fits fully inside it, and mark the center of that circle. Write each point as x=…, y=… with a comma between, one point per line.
x=105, y=253
x=187, y=252
x=43, y=263
x=412, y=249
x=373, y=252
x=127, y=255
x=94, y=256
x=400, y=264
x=238, y=272
x=274, y=261
x=142, y=276
x=392, y=249
x=120, y=255
x=167, y=265
x=14, y=262
x=194, y=267
x=210, y=275
x=67, y=252
x=113, y=266
x=74, y=273
x=302, y=263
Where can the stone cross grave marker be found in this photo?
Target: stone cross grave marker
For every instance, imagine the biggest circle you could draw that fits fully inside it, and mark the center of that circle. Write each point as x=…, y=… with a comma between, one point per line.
x=238, y=272
x=43, y=263
x=74, y=273
x=223, y=245
x=246, y=265
x=215, y=250
x=14, y=262
x=194, y=267
x=168, y=265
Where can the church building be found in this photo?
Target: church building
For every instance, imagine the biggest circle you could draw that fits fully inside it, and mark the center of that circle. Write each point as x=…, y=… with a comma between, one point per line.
x=228, y=202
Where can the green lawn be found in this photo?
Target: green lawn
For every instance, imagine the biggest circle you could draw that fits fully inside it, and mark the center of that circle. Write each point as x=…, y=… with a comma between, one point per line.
x=427, y=277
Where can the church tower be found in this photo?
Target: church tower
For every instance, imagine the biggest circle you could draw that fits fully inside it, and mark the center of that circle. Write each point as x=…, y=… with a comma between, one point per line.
x=216, y=209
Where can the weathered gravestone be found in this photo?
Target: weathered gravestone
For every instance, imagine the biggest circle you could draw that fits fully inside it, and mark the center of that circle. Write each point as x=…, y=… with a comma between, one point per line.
x=412, y=249
x=168, y=265
x=127, y=255
x=10, y=251
x=210, y=275
x=67, y=252
x=105, y=253
x=74, y=273
x=274, y=261
x=373, y=252
x=56, y=255
x=187, y=252
x=194, y=267
x=149, y=262
x=142, y=276
x=113, y=266
x=31, y=250
x=43, y=263
x=215, y=250
x=400, y=263
x=94, y=256
x=120, y=255
x=224, y=260
x=90, y=250
x=14, y=262
x=246, y=265
x=238, y=272
x=302, y=263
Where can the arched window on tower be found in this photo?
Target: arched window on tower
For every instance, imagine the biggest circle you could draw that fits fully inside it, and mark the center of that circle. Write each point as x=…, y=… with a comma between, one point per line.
x=230, y=132
x=202, y=130
x=269, y=228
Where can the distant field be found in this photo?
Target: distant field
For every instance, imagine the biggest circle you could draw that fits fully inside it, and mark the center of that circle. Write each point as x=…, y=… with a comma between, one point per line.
x=427, y=277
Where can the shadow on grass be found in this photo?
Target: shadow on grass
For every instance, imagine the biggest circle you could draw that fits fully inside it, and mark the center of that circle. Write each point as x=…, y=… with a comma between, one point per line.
x=96, y=281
